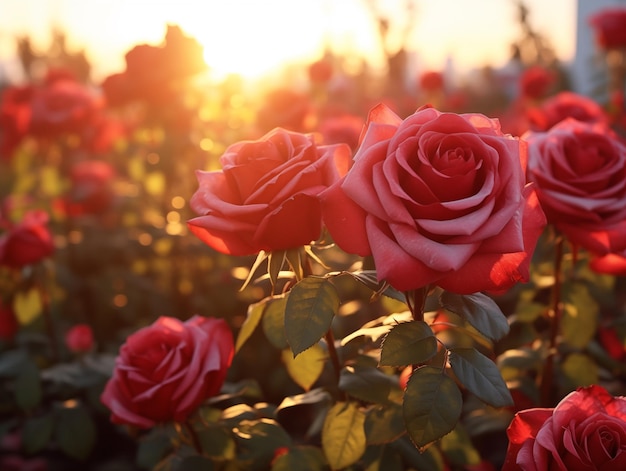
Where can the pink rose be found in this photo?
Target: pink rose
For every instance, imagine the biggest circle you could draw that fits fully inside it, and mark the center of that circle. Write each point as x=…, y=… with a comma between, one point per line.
x=166, y=370
x=266, y=196
x=535, y=82
x=27, y=242
x=437, y=198
x=585, y=431
x=79, y=338
x=580, y=174
x=566, y=105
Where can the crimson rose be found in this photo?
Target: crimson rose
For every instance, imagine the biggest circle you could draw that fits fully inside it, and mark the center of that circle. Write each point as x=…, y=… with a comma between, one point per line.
x=266, y=196
x=27, y=242
x=437, y=198
x=580, y=173
x=585, y=431
x=79, y=338
x=166, y=370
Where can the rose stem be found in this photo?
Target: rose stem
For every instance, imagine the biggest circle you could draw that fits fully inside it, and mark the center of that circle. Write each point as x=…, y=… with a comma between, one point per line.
x=195, y=441
x=416, y=300
x=548, y=370
x=47, y=315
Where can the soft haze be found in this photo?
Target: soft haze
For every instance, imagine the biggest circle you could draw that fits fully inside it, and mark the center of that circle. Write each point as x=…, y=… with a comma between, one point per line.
x=252, y=37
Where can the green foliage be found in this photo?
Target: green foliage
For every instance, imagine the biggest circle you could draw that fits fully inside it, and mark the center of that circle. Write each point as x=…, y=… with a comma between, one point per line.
x=480, y=311
x=311, y=305
x=343, y=435
x=306, y=368
x=432, y=405
x=75, y=431
x=480, y=376
x=366, y=383
x=407, y=344
x=305, y=458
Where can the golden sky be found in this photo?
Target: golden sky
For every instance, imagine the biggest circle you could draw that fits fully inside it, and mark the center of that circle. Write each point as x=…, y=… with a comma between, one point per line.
x=252, y=37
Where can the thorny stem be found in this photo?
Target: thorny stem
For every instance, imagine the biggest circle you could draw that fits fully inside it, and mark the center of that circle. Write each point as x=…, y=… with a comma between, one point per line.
x=548, y=370
x=416, y=300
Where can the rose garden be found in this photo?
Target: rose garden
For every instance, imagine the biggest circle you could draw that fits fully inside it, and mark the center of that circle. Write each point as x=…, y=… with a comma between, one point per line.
x=195, y=278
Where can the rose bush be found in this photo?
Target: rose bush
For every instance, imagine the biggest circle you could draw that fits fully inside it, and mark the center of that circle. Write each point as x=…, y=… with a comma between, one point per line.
x=26, y=242
x=79, y=338
x=580, y=173
x=585, y=431
x=437, y=198
x=266, y=195
x=166, y=370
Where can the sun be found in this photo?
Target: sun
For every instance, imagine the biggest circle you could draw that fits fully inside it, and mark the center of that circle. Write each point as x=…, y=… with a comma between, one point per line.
x=252, y=38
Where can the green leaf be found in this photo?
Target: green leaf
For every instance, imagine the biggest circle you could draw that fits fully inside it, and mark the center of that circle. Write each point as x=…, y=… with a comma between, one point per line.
x=426, y=460
x=217, y=442
x=302, y=458
x=384, y=424
x=366, y=384
x=579, y=370
x=459, y=449
x=194, y=463
x=311, y=305
x=343, y=435
x=152, y=448
x=257, y=441
x=408, y=343
x=75, y=431
x=432, y=405
x=37, y=432
x=480, y=376
x=274, y=322
x=11, y=363
x=306, y=368
x=579, y=317
x=370, y=279
x=255, y=312
x=313, y=396
x=27, y=386
x=480, y=311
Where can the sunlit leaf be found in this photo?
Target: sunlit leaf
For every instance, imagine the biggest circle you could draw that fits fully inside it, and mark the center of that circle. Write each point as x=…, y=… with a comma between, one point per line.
x=480, y=311
x=459, y=449
x=255, y=266
x=313, y=396
x=306, y=368
x=373, y=333
x=580, y=370
x=311, y=305
x=365, y=383
x=27, y=306
x=480, y=376
x=384, y=424
x=294, y=258
x=255, y=312
x=432, y=405
x=302, y=458
x=407, y=344
x=580, y=317
x=274, y=322
x=343, y=435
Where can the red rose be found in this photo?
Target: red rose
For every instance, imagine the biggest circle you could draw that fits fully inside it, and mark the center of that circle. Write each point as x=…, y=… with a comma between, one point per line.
x=27, y=242
x=566, y=105
x=585, y=431
x=343, y=128
x=166, y=370
x=535, y=82
x=61, y=107
x=580, y=174
x=610, y=27
x=266, y=196
x=79, y=338
x=91, y=191
x=431, y=81
x=14, y=118
x=437, y=198
x=610, y=264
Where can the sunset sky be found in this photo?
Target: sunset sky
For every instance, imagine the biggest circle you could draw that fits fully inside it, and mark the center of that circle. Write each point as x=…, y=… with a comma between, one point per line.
x=251, y=37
